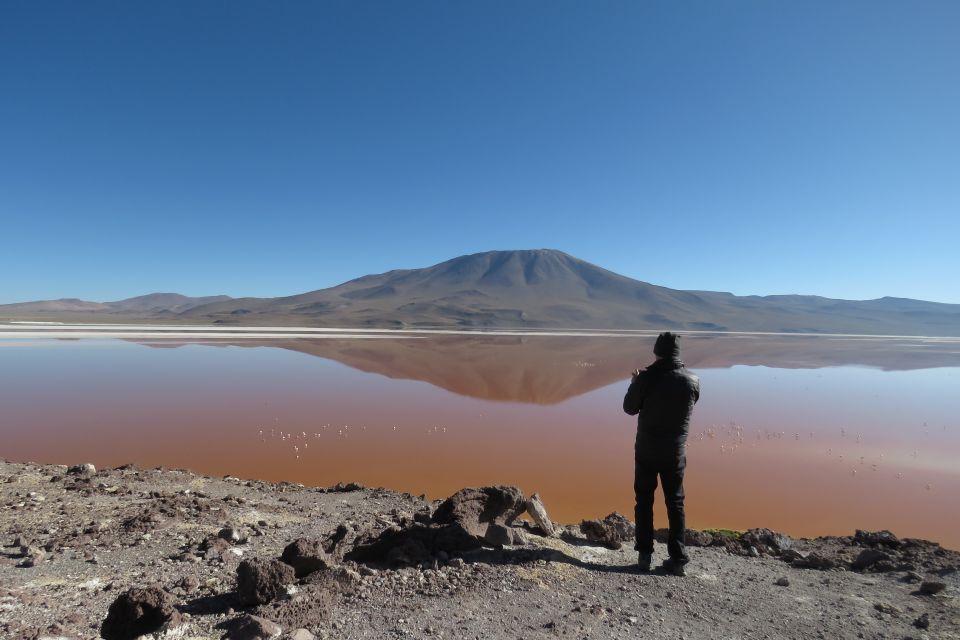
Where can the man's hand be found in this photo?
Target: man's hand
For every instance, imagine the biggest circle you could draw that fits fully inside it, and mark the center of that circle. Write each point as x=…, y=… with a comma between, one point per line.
x=634, y=376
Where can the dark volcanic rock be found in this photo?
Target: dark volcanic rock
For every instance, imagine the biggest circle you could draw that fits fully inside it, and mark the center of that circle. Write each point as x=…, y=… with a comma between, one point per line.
x=499, y=535
x=413, y=545
x=611, y=532
x=342, y=487
x=691, y=537
x=694, y=538
x=214, y=547
x=336, y=543
x=476, y=510
x=260, y=581
x=137, y=612
x=871, y=558
x=930, y=587
x=814, y=561
x=461, y=523
x=305, y=556
x=875, y=538
x=767, y=541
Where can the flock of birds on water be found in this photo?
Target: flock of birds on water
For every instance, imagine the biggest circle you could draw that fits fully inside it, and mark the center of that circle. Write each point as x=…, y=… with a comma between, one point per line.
x=731, y=438
x=300, y=440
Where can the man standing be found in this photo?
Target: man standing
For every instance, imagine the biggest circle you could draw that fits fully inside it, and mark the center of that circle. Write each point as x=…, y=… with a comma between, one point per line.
x=662, y=397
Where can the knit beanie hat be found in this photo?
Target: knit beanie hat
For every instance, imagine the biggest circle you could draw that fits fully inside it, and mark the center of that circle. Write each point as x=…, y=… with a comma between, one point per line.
x=667, y=345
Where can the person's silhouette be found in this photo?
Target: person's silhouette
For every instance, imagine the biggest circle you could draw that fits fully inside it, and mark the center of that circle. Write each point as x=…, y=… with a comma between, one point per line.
x=662, y=397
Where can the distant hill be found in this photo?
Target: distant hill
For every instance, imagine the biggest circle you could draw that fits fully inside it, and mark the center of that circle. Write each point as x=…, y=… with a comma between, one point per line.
x=159, y=303
x=519, y=289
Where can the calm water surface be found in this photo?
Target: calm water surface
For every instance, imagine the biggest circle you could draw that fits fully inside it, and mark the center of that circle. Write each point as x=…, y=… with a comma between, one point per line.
x=806, y=435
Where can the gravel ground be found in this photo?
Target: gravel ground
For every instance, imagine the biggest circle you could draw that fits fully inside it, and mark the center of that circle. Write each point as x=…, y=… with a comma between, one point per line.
x=74, y=541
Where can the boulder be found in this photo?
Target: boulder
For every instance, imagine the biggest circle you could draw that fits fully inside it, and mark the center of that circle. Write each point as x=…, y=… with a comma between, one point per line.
x=260, y=581
x=870, y=558
x=767, y=541
x=305, y=556
x=876, y=538
x=611, y=532
x=139, y=611
x=476, y=510
x=301, y=634
x=499, y=535
x=539, y=514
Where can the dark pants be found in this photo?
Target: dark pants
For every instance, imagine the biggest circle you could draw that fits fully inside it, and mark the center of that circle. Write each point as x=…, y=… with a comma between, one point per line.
x=669, y=468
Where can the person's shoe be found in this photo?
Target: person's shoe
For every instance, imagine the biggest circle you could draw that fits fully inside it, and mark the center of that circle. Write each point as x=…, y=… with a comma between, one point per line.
x=643, y=561
x=674, y=567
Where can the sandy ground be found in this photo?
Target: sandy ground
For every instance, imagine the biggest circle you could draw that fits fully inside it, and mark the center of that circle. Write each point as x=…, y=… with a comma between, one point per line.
x=72, y=544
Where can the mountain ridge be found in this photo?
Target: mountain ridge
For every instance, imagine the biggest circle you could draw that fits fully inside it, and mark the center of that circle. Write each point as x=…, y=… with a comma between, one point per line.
x=531, y=288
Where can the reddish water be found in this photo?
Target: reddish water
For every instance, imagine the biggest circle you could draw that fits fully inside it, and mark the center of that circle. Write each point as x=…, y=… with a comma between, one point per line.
x=816, y=436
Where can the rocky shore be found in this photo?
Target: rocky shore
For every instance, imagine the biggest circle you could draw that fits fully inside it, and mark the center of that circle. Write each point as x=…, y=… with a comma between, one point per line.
x=131, y=552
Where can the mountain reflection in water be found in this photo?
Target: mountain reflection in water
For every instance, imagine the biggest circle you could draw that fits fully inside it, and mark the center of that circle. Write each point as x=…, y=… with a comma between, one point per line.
x=550, y=370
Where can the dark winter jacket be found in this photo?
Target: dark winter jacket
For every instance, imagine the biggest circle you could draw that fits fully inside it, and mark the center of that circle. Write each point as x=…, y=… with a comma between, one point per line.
x=662, y=398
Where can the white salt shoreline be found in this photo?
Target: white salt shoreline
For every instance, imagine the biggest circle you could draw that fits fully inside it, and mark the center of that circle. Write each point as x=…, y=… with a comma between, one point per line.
x=24, y=329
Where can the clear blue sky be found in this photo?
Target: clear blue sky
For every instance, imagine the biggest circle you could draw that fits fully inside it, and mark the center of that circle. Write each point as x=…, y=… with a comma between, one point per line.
x=270, y=148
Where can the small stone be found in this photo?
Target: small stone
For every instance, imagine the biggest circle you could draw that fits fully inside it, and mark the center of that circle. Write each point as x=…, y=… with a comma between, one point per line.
x=302, y=634
x=754, y=552
x=233, y=535
x=84, y=470
x=189, y=584
x=930, y=587
x=814, y=561
x=782, y=582
x=248, y=627
x=884, y=607
x=923, y=622
x=32, y=556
